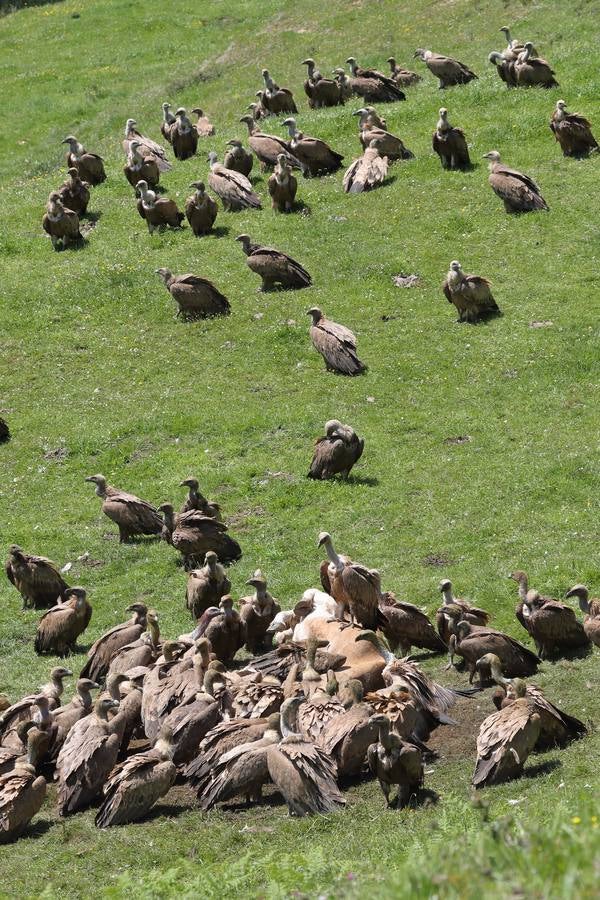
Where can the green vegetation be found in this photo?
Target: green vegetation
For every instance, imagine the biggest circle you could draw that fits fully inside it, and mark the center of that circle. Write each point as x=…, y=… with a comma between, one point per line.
x=98, y=376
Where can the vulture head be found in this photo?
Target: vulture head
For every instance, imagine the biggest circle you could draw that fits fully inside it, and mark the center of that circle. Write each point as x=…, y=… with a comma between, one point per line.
x=351, y=61
x=463, y=629
x=169, y=515
x=445, y=585
x=338, y=71
x=142, y=187
x=180, y=113
x=258, y=580
x=15, y=552
x=455, y=267
x=380, y=720
x=70, y=139
x=561, y=108
x=55, y=205
x=323, y=538
x=490, y=666
x=581, y=592
x=129, y=126
x=104, y=705
x=85, y=685
x=212, y=158
x=140, y=609
x=290, y=124
x=244, y=240
x=516, y=689
x=78, y=592
x=166, y=107
x=234, y=143
x=309, y=62
x=73, y=174
x=506, y=32
x=363, y=111
x=316, y=314
x=226, y=604
x=164, y=273
x=99, y=481
x=197, y=111
x=265, y=74
x=190, y=483
x=496, y=58
x=211, y=559
x=200, y=187
x=493, y=156
x=420, y=53
x=333, y=427
x=392, y=62
x=60, y=672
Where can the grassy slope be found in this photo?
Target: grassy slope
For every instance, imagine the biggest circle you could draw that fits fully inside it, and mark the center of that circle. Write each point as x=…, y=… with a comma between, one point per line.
x=94, y=362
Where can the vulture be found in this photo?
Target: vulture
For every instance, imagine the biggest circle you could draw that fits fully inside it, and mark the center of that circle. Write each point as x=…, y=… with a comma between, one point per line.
x=257, y=109
x=171, y=682
x=532, y=71
x=388, y=144
x=140, y=168
x=450, y=144
x=61, y=223
x=22, y=792
x=268, y=147
x=471, y=642
x=346, y=87
x=282, y=186
x=148, y=147
x=259, y=697
x=226, y=631
x=75, y=193
x=134, y=786
x=257, y=612
x=158, y=212
x=203, y=126
x=200, y=210
x=403, y=77
x=504, y=67
x=572, y=131
x=336, y=452
x=315, y=156
x=553, y=626
x=590, y=610
x=513, y=46
x=132, y=515
x=10, y=755
x=238, y=159
x=353, y=586
x=466, y=611
x=168, y=120
x=447, y=70
x=303, y=773
x=87, y=756
x=557, y=728
x=89, y=165
x=36, y=578
x=407, y=626
x=184, y=136
x=141, y=651
x=65, y=717
x=367, y=172
x=206, y=586
x=4, y=431
x=193, y=534
x=23, y=710
x=395, y=763
x=335, y=343
x=505, y=740
x=276, y=99
x=196, y=297
x=196, y=500
x=470, y=294
x=347, y=737
x=190, y=721
x=233, y=188
x=520, y=612
x=372, y=85
x=320, y=91
x=369, y=116
x=518, y=192
x=108, y=645
x=274, y=267
x=59, y=628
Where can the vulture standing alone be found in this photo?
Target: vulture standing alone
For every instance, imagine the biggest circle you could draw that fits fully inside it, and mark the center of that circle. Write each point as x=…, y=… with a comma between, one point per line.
x=132, y=515
x=276, y=99
x=148, y=147
x=447, y=70
x=89, y=165
x=450, y=144
x=395, y=762
x=518, y=192
x=232, y=187
x=184, y=136
x=108, y=645
x=273, y=266
x=335, y=343
x=200, y=210
x=372, y=85
x=590, y=610
x=532, y=71
x=61, y=223
x=336, y=452
x=466, y=611
x=268, y=147
x=573, y=132
x=315, y=156
x=75, y=193
x=196, y=297
x=238, y=158
x=403, y=77
x=36, y=578
x=203, y=126
x=367, y=172
x=59, y=628
x=320, y=91
x=470, y=294
x=282, y=186
x=140, y=168
x=505, y=740
x=193, y=534
x=158, y=212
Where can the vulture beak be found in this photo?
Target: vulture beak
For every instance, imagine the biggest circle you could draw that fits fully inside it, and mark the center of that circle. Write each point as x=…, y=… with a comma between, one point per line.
x=90, y=478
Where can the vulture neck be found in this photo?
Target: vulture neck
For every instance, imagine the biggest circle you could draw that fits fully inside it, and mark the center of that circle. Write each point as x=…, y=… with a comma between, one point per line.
x=293, y=130
x=85, y=696
x=56, y=686
x=560, y=114
x=44, y=717
x=525, y=55
x=148, y=197
x=154, y=632
x=384, y=735
x=496, y=673
x=447, y=592
x=443, y=124
x=523, y=586
x=332, y=555
x=77, y=150
x=136, y=160
x=288, y=724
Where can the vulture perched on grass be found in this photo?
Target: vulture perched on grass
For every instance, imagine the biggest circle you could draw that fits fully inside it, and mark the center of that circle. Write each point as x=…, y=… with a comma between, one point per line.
x=59, y=628
x=513, y=46
x=450, y=144
x=282, y=186
x=140, y=168
x=184, y=136
x=22, y=792
x=367, y=172
x=346, y=86
x=4, y=431
x=403, y=77
x=89, y=165
x=518, y=192
x=353, y=586
x=168, y=120
x=315, y=156
x=447, y=70
x=472, y=614
x=573, y=132
x=206, y=586
x=335, y=343
x=590, y=610
x=505, y=740
x=238, y=159
x=373, y=85
x=232, y=187
x=75, y=193
x=158, y=212
x=407, y=626
x=553, y=626
x=472, y=642
x=275, y=99
x=369, y=116
x=65, y=717
x=532, y=71
x=504, y=67
x=60, y=223
x=196, y=297
x=395, y=763
x=470, y=294
x=274, y=267
x=347, y=737
x=388, y=144
x=268, y=147
x=132, y=515
x=336, y=452
x=200, y=210
x=320, y=91
x=257, y=612
x=203, y=126
x=108, y=645
x=193, y=534
x=196, y=500
x=147, y=147
x=36, y=578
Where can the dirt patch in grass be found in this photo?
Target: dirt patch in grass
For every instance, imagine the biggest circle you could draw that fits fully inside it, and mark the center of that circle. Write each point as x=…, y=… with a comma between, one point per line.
x=437, y=559
x=458, y=742
x=461, y=439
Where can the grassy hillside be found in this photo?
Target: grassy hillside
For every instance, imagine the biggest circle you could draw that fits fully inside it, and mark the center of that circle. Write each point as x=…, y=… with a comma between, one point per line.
x=96, y=375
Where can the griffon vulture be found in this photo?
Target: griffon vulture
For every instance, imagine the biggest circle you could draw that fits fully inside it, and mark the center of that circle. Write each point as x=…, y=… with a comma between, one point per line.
x=273, y=266
x=200, y=210
x=132, y=515
x=335, y=343
x=447, y=70
x=196, y=297
x=470, y=294
x=518, y=192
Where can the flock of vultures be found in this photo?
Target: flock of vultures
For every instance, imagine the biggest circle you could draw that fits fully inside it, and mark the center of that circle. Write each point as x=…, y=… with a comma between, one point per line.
x=305, y=699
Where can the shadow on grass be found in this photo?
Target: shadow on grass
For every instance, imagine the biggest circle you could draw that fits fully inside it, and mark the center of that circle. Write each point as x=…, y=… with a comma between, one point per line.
x=39, y=828
x=367, y=480
x=542, y=768
x=165, y=810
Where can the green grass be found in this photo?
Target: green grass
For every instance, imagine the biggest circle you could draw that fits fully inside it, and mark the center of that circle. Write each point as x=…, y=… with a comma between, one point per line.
x=94, y=362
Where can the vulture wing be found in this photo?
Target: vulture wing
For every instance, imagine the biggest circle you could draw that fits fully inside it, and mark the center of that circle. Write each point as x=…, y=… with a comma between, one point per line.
x=305, y=775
